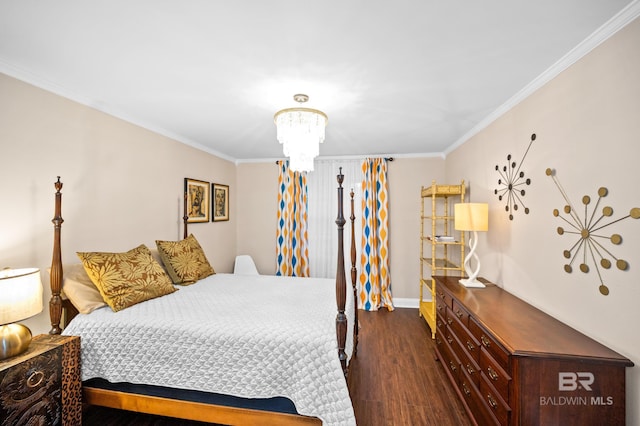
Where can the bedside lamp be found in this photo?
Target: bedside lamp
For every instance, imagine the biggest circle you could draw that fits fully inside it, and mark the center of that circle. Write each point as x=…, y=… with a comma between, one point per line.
x=20, y=298
x=471, y=217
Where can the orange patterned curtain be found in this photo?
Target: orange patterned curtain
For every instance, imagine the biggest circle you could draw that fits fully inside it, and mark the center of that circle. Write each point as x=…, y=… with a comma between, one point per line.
x=375, y=281
x=292, y=252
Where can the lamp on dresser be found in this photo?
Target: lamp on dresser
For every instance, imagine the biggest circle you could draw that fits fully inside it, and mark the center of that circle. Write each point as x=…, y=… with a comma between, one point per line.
x=471, y=217
x=20, y=298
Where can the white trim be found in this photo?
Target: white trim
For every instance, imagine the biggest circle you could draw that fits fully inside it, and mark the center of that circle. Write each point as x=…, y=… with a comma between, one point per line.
x=609, y=28
x=401, y=302
x=42, y=83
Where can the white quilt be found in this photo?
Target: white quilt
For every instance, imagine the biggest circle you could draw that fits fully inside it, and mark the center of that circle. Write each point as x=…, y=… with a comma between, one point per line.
x=248, y=336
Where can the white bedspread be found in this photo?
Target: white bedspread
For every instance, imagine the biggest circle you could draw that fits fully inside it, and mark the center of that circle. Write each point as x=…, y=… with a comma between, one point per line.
x=248, y=336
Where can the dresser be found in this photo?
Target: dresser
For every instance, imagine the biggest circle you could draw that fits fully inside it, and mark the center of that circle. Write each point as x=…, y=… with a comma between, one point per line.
x=42, y=385
x=512, y=364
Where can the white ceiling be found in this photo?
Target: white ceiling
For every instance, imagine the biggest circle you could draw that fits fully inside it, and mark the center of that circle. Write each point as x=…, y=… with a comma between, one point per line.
x=396, y=77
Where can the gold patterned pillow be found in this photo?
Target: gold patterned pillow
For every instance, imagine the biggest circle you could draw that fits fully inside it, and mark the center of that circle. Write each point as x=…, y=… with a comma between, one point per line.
x=185, y=261
x=125, y=279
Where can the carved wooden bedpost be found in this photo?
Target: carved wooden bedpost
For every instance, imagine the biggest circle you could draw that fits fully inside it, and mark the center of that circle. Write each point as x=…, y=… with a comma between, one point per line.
x=185, y=218
x=353, y=277
x=341, y=282
x=55, y=304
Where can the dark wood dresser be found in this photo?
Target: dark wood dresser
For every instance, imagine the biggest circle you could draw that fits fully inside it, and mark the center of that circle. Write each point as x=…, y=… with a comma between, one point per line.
x=512, y=364
x=42, y=385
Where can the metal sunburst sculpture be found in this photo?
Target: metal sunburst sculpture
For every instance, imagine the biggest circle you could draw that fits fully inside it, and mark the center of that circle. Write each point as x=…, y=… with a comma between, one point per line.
x=589, y=243
x=512, y=180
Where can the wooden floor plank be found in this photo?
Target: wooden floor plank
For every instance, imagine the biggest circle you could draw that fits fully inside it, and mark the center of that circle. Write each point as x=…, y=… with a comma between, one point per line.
x=395, y=379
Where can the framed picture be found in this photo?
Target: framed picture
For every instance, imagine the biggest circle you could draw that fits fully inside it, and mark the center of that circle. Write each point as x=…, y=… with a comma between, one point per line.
x=198, y=195
x=220, y=202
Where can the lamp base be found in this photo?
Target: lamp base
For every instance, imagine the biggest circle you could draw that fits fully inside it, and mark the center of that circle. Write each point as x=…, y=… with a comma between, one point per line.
x=471, y=283
x=14, y=339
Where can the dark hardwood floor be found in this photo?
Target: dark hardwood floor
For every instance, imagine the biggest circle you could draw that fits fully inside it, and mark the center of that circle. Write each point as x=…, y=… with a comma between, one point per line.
x=395, y=379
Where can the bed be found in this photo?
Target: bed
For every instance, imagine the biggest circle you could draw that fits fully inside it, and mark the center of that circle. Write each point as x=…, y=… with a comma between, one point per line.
x=228, y=349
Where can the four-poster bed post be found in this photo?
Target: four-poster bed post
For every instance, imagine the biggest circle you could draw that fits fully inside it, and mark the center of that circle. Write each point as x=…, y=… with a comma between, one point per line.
x=55, y=304
x=341, y=285
x=356, y=325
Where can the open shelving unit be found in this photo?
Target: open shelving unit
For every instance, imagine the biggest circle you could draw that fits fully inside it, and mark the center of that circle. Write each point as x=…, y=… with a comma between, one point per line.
x=441, y=247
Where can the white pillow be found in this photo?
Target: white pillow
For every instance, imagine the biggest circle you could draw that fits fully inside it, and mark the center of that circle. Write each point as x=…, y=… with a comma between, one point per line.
x=79, y=289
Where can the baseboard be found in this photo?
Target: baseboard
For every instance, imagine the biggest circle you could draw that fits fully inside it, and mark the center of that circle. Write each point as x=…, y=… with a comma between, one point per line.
x=405, y=303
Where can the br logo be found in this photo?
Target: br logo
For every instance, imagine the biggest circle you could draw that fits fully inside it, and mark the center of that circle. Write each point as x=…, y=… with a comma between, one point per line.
x=570, y=381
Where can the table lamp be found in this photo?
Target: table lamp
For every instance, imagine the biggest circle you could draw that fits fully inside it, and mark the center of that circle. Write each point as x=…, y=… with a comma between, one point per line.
x=20, y=298
x=471, y=217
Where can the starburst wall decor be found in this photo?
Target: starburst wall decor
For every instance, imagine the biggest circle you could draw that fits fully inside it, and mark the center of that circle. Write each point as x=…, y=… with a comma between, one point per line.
x=590, y=246
x=511, y=182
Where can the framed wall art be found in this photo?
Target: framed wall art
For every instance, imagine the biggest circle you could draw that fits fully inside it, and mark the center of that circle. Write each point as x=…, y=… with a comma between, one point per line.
x=220, y=202
x=198, y=195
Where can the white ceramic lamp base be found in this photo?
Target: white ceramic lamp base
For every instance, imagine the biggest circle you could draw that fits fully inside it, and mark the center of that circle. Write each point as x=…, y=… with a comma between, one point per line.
x=472, y=281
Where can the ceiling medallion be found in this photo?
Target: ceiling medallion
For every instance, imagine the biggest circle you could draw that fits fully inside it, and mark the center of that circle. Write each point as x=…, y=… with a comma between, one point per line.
x=300, y=131
x=590, y=245
x=512, y=180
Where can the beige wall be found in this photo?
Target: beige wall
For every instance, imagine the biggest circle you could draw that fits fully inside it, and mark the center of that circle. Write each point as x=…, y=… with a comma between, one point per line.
x=587, y=122
x=122, y=184
x=257, y=213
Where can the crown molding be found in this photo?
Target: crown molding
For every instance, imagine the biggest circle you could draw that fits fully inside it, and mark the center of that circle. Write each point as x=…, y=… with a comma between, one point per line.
x=608, y=29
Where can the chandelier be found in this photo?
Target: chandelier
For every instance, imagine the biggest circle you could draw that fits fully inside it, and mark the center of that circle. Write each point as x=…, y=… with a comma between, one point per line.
x=300, y=131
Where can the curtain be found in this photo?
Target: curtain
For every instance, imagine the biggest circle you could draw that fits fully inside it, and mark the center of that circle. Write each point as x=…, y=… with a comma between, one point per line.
x=323, y=211
x=374, y=280
x=292, y=253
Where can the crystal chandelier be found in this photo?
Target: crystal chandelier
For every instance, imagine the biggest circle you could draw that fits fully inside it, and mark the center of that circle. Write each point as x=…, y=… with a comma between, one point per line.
x=300, y=131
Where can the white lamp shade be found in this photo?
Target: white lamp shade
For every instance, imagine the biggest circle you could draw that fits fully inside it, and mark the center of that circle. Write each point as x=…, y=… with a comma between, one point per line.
x=471, y=216
x=20, y=294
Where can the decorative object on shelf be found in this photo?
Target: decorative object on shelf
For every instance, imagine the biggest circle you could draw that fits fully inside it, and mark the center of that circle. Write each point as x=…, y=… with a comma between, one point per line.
x=471, y=217
x=220, y=202
x=20, y=298
x=300, y=131
x=511, y=181
x=588, y=242
x=197, y=197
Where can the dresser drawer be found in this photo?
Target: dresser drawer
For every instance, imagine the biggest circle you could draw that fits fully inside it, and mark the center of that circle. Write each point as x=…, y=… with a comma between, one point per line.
x=490, y=344
x=468, y=364
x=444, y=296
x=467, y=340
x=441, y=307
x=460, y=313
x=499, y=378
x=475, y=402
x=494, y=401
x=447, y=357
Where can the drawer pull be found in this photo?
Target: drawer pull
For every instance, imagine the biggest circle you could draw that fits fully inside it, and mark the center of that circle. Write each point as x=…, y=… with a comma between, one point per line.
x=492, y=401
x=492, y=374
x=449, y=321
x=465, y=389
x=485, y=342
x=470, y=345
x=438, y=341
x=35, y=379
x=450, y=340
x=453, y=366
x=459, y=314
x=470, y=369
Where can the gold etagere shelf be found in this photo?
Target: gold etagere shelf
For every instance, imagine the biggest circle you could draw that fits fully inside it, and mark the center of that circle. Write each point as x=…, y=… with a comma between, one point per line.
x=441, y=248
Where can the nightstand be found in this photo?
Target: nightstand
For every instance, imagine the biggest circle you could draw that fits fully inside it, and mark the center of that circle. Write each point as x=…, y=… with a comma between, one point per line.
x=43, y=385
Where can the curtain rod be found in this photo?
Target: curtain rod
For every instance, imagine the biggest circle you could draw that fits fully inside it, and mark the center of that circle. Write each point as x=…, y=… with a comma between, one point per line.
x=386, y=158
